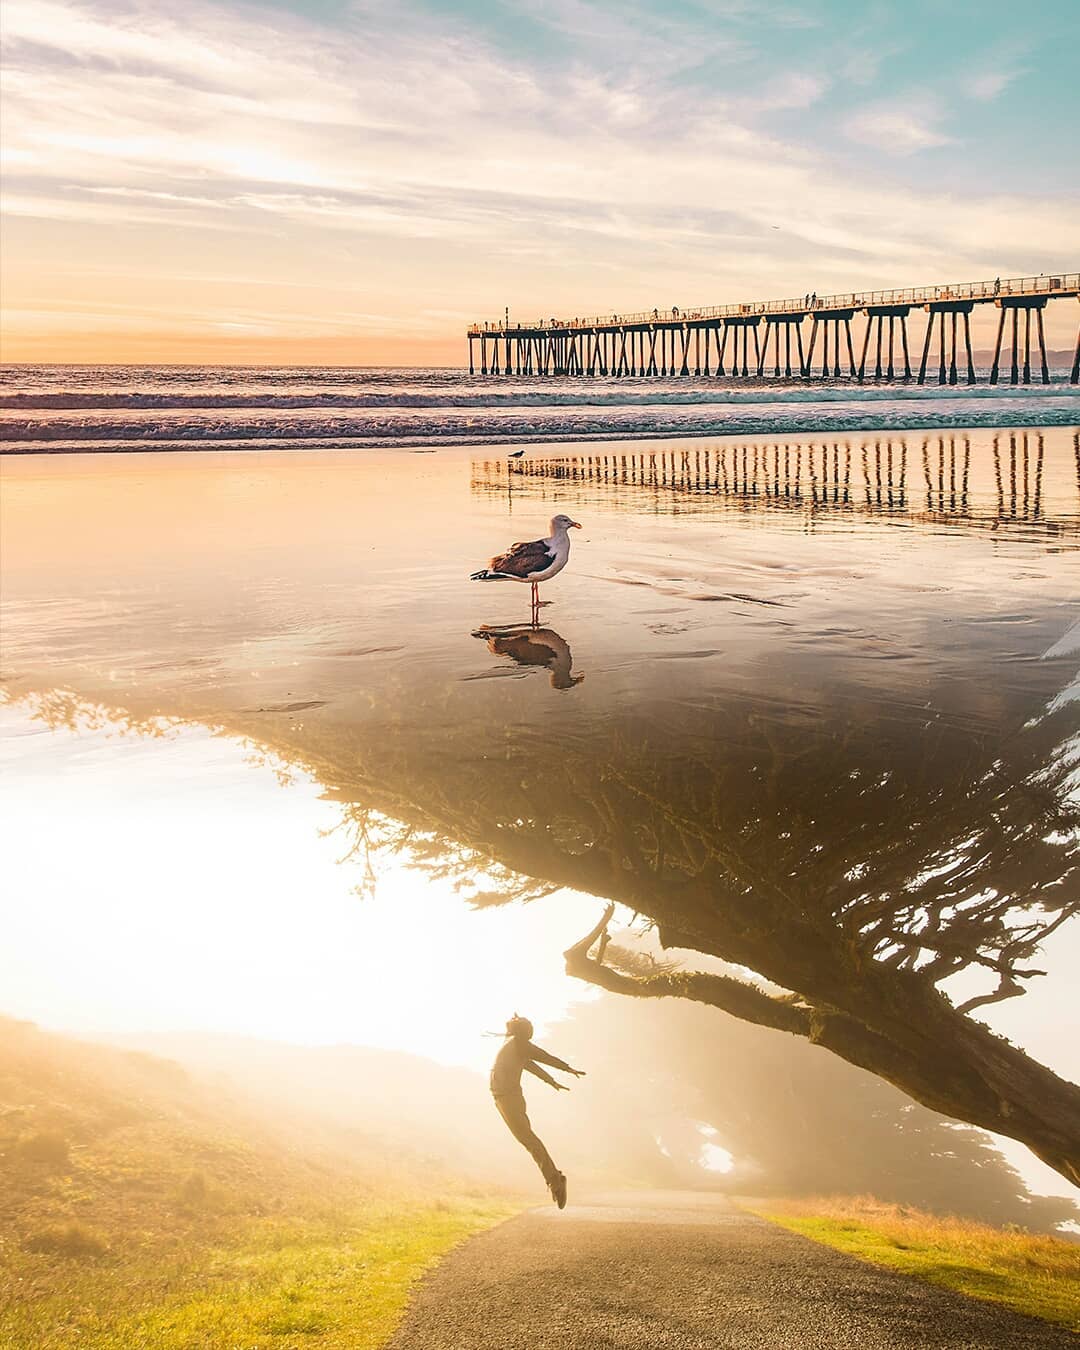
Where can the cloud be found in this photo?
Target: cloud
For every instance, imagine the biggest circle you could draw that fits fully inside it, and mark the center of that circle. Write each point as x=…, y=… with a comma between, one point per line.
x=797, y=89
x=408, y=151
x=989, y=84
x=898, y=128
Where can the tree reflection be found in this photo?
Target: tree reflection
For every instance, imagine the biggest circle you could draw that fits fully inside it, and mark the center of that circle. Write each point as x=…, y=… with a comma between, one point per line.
x=860, y=872
x=881, y=886
x=865, y=882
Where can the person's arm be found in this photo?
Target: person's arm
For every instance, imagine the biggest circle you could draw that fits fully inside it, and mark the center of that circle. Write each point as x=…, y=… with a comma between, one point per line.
x=545, y=1077
x=556, y=1063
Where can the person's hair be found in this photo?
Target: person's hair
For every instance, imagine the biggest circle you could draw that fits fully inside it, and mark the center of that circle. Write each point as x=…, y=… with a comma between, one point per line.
x=519, y=1026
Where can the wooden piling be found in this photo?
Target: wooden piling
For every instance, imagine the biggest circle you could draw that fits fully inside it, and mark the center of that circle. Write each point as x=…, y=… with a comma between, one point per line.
x=865, y=347
x=926, y=347
x=995, y=364
x=941, y=349
x=810, y=351
x=1045, y=370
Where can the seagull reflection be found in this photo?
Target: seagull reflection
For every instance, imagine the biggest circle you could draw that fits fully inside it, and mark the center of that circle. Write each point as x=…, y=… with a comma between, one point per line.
x=529, y=646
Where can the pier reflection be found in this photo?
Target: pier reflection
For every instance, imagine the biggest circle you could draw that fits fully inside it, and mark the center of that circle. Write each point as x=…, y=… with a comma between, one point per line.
x=933, y=477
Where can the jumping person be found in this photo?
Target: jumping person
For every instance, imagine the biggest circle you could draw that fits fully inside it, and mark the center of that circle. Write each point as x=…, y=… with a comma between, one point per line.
x=516, y=1055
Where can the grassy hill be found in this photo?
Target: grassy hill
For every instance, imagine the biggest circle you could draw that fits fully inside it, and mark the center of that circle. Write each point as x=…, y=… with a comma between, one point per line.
x=141, y=1205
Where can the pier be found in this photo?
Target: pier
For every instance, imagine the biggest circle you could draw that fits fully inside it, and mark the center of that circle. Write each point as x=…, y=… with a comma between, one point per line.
x=810, y=337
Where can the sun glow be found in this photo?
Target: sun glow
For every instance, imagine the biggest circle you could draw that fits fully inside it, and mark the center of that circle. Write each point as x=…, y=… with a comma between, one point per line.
x=115, y=923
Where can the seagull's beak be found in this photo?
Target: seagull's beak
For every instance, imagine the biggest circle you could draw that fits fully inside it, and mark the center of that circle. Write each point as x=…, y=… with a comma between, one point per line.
x=575, y=525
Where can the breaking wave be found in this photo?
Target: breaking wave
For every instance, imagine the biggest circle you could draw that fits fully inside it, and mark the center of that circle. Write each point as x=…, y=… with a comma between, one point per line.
x=185, y=407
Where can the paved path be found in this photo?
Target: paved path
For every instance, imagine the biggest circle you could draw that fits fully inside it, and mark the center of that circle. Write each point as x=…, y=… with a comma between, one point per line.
x=683, y=1271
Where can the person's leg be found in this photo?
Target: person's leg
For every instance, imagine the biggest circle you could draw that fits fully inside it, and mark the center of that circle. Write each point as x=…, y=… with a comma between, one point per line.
x=512, y=1110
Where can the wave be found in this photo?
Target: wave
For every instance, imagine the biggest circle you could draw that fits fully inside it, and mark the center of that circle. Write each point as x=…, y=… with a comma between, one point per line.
x=167, y=400
x=406, y=429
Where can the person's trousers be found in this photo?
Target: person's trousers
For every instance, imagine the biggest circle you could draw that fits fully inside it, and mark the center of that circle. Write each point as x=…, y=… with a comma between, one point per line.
x=512, y=1110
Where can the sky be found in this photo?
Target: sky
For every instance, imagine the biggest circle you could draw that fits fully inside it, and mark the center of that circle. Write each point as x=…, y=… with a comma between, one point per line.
x=128, y=932
x=356, y=182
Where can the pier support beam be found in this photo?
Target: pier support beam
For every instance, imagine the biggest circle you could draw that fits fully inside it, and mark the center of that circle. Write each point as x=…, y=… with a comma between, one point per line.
x=742, y=328
x=773, y=325
x=1021, y=364
x=875, y=327
x=957, y=312
x=840, y=319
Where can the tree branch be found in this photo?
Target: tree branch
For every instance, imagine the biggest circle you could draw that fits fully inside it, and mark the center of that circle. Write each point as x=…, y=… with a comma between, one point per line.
x=719, y=991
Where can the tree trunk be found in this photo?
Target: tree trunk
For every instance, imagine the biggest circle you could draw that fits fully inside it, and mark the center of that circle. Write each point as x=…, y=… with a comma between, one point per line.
x=906, y=1032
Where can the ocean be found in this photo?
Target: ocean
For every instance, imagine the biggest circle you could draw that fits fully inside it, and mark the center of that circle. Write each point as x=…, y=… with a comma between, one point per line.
x=100, y=408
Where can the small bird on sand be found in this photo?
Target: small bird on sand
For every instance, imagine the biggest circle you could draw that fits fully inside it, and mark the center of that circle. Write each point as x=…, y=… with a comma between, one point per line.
x=515, y=454
x=534, y=562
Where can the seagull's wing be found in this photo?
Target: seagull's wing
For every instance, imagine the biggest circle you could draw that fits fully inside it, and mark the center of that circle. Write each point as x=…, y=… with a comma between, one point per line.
x=522, y=560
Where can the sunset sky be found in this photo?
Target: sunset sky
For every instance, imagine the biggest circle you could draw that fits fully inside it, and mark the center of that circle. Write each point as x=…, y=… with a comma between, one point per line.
x=355, y=182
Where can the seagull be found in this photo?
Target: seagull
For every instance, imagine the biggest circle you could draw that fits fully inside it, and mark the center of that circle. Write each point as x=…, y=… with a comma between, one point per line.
x=534, y=562
x=515, y=454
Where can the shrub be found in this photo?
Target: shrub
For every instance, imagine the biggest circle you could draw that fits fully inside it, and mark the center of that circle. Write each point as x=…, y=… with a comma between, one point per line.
x=71, y=1239
x=47, y=1147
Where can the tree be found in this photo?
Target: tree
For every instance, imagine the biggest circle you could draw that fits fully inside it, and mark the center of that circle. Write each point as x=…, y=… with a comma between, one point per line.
x=796, y=1119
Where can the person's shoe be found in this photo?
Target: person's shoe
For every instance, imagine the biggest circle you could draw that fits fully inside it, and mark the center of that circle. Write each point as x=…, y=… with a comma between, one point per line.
x=557, y=1187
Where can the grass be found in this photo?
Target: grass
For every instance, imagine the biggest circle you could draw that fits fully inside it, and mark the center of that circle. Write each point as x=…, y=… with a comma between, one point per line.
x=141, y=1209
x=1036, y=1275
x=335, y=1279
